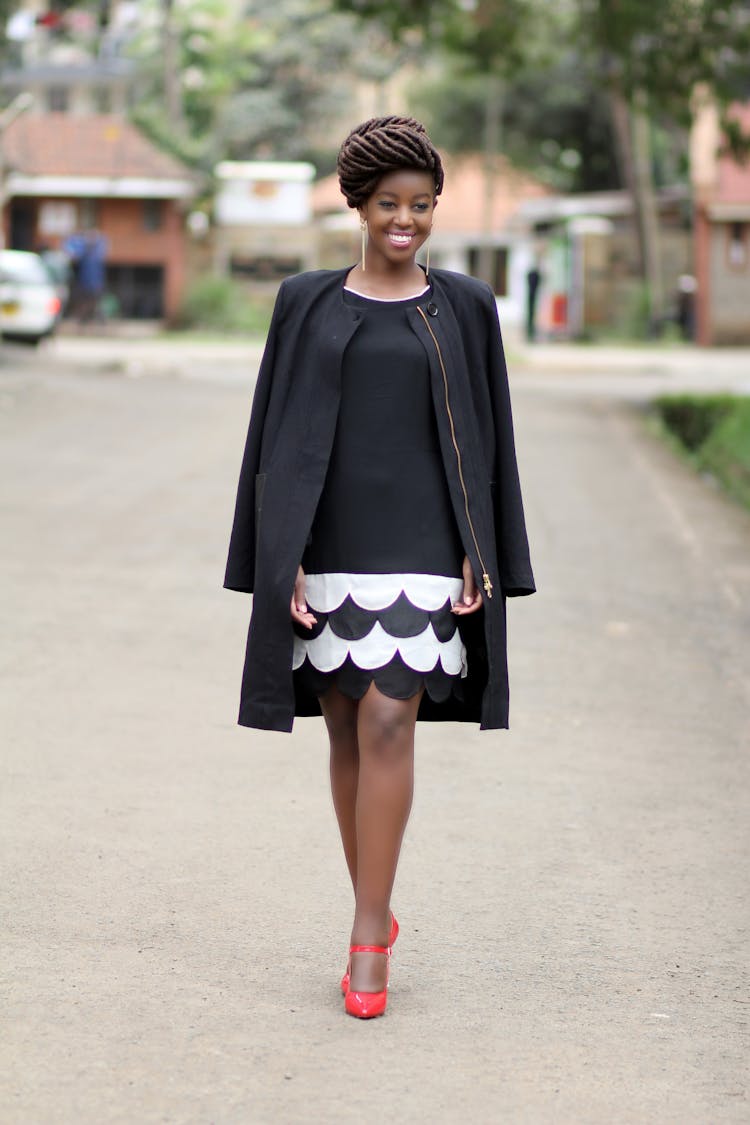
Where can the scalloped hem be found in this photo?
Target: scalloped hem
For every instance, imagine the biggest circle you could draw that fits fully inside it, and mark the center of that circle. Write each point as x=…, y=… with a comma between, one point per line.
x=394, y=679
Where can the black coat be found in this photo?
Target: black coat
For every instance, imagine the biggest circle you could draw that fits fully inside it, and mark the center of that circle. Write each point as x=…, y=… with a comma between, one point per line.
x=292, y=427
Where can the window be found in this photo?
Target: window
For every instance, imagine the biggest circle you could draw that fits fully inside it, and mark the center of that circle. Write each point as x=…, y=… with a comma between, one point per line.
x=152, y=214
x=88, y=214
x=737, y=246
x=498, y=267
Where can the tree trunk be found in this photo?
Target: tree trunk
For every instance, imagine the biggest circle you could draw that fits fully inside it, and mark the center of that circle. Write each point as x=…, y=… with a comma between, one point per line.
x=491, y=150
x=648, y=211
x=632, y=134
x=171, y=71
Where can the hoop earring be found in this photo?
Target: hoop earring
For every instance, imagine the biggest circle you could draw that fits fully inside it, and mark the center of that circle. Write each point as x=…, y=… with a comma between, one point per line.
x=363, y=228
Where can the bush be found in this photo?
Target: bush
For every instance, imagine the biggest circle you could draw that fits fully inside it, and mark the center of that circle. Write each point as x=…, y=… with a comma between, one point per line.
x=222, y=305
x=726, y=451
x=691, y=418
x=715, y=432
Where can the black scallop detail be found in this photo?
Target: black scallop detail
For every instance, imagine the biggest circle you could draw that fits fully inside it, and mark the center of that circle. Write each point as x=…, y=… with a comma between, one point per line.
x=395, y=679
x=350, y=621
x=444, y=622
x=400, y=619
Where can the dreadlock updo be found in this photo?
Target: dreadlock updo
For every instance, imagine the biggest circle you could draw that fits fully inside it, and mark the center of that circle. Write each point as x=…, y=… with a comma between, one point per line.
x=382, y=145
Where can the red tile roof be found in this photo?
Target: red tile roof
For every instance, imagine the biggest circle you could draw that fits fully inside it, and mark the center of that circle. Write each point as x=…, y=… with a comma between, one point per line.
x=461, y=205
x=61, y=144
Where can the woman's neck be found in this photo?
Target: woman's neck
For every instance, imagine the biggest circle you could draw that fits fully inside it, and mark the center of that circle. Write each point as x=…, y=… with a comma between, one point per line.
x=393, y=285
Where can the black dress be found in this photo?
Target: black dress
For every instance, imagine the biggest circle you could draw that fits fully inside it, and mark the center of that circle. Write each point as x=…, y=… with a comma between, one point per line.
x=383, y=563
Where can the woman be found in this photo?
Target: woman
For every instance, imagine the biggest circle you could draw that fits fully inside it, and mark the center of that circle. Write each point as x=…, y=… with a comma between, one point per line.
x=379, y=520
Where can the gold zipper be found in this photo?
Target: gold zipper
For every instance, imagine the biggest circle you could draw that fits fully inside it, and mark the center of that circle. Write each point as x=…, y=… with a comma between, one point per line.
x=485, y=576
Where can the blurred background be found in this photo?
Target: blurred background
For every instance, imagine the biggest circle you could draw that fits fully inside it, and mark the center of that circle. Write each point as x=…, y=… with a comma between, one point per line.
x=172, y=160
x=574, y=925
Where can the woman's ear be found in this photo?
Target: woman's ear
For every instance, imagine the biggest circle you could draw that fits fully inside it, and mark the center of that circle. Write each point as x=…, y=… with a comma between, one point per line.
x=434, y=203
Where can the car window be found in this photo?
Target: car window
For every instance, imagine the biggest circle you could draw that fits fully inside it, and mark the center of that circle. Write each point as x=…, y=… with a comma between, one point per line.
x=23, y=269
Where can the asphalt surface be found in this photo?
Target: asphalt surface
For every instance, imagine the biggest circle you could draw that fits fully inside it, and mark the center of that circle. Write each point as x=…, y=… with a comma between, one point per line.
x=572, y=893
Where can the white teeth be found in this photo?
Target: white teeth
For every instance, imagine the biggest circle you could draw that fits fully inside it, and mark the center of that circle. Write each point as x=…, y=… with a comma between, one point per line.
x=405, y=238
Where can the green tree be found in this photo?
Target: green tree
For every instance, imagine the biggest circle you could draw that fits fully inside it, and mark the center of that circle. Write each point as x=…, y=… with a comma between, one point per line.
x=267, y=84
x=643, y=58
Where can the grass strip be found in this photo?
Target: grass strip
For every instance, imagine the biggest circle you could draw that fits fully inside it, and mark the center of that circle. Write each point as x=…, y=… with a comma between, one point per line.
x=714, y=433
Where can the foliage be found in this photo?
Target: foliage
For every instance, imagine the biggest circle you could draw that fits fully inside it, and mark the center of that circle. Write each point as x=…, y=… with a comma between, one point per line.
x=715, y=432
x=488, y=34
x=666, y=47
x=654, y=49
x=223, y=305
x=266, y=85
x=693, y=418
x=554, y=122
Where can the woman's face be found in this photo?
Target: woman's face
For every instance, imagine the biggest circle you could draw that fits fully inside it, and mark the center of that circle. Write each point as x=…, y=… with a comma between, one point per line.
x=399, y=216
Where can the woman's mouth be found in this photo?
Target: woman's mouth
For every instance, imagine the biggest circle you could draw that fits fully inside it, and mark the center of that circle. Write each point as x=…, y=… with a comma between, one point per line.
x=400, y=239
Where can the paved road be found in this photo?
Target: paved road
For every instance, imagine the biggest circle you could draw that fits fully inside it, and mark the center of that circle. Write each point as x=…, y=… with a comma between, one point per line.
x=573, y=893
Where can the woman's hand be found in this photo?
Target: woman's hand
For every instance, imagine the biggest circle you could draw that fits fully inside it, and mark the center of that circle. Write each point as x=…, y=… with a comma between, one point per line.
x=298, y=608
x=472, y=599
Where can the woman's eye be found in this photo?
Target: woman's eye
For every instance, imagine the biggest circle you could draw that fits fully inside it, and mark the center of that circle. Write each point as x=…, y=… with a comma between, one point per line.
x=421, y=206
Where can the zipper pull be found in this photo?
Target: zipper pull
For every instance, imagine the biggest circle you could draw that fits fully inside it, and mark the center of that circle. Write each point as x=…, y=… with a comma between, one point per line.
x=487, y=585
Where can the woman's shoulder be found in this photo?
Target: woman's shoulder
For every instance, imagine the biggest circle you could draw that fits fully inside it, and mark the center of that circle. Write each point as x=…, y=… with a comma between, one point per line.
x=313, y=281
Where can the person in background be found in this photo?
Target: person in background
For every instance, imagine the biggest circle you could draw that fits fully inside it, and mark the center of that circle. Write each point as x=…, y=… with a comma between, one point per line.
x=533, y=281
x=88, y=253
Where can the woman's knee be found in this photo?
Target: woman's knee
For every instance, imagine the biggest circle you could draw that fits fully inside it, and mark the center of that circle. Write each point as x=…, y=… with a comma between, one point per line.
x=386, y=726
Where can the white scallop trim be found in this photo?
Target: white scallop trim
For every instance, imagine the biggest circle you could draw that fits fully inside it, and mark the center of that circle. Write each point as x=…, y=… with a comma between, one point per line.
x=421, y=653
x=326, y=592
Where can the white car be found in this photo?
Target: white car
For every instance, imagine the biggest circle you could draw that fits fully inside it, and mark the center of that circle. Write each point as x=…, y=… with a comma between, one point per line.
x=30, y=304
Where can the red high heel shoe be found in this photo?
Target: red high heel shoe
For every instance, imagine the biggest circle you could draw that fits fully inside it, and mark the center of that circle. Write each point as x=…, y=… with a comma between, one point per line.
x=391, y=942
x=368, y=1005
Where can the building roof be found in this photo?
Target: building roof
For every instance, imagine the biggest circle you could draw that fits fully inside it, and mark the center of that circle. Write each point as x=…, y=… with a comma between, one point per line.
x=101, y=148
x=461, y=205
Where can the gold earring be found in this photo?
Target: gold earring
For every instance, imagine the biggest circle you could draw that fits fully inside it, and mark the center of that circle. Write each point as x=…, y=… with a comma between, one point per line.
x=363, y=228
x=427, y=265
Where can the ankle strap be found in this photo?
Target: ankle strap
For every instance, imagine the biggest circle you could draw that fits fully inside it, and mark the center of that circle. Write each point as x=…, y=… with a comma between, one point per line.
x=370, y=949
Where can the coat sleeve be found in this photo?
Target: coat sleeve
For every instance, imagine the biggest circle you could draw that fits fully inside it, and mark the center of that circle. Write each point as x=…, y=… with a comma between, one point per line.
x=516, y=575
x=240, y=570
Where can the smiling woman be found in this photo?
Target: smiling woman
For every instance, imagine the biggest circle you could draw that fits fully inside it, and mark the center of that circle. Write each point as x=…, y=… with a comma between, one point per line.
x=379, y=518
x=398, y=220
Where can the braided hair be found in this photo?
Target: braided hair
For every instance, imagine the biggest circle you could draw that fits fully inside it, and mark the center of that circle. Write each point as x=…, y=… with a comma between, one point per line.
x=382, y=145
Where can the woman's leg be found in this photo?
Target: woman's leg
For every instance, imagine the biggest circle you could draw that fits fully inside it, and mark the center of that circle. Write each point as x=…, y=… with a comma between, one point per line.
x=385, y=739
x=340, y=714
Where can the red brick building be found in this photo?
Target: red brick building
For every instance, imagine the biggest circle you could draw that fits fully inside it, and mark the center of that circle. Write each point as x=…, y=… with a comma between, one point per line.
x=67, y=173
x=721, y=189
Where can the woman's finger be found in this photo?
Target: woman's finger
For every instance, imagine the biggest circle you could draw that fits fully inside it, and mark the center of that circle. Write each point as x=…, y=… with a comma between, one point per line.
x=298, y=605
x=471, y=599
x=461, y=608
